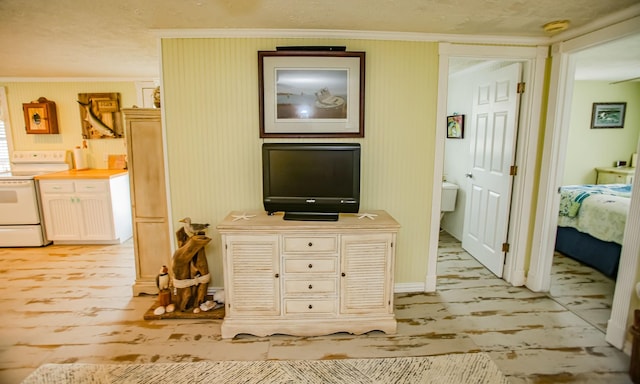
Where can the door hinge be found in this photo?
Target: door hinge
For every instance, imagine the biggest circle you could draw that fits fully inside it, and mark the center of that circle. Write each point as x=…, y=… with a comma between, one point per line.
x=505, y=247
x=521, y=87
x=513, y=170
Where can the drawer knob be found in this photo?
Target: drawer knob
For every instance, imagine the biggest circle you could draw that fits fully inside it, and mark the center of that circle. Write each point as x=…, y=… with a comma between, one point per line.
x=344, y=274
x=310, y=244
x=310, y=286
x=310, y=306
x=310, y=265
x=277, y=275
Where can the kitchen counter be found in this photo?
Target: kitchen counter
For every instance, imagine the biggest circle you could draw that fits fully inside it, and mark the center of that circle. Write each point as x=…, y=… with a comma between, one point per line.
x=83, y=174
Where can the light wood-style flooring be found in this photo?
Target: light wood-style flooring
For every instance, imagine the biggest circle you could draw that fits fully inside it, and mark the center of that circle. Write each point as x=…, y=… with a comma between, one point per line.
x=583, y=290
x=67, y=304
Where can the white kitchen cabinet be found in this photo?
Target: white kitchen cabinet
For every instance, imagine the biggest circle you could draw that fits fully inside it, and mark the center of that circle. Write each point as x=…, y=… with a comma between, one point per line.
x=87, y=211
x=308, y=278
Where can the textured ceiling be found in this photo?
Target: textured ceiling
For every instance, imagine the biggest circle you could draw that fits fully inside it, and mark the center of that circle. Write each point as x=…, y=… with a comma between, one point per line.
x=116, y=38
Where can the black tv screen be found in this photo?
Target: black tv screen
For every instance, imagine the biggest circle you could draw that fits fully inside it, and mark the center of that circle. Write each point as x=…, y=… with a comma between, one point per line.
x=311, y=181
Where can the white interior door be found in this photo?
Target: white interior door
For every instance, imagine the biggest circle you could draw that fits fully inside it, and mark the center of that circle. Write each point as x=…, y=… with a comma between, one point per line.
x=493, y=139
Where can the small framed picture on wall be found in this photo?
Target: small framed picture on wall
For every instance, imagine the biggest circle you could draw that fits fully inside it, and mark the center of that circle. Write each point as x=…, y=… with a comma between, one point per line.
x=455, y=127
x=608, y=115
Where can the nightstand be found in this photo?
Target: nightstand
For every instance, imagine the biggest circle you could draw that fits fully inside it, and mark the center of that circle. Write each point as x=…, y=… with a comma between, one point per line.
x=615, y=175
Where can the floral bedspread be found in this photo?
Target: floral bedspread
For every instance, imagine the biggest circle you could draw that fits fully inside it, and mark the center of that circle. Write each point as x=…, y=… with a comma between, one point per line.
x=599, y=210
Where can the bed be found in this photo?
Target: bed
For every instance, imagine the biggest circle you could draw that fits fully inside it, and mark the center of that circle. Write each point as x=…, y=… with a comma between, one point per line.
x=591, y=224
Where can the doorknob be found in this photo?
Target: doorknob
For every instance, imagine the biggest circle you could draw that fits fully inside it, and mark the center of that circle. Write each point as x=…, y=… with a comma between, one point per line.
x=469, y=175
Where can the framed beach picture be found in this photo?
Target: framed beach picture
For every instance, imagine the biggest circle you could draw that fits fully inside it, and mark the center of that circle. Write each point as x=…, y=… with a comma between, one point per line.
x=455, y=127
x=311, y=93
x=608, y=115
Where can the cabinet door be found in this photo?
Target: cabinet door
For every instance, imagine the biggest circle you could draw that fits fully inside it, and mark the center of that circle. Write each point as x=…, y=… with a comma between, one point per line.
x=252, y=275
x=367, y=273
x=146, y=160
x=96, y=220
x=61, y=216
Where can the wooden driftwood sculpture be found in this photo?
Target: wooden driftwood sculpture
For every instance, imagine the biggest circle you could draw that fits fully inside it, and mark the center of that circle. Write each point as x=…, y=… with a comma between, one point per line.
x=190, y=271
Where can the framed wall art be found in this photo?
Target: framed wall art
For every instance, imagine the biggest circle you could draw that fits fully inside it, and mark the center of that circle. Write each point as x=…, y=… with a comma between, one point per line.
x=311, y=93
x=608, y=115
x=100, y=115
x=455, y=127
x=40, y=116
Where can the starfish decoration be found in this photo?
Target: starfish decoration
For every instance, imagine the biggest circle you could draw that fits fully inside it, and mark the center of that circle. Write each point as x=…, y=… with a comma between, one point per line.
x=370, y=216
x=244, y=216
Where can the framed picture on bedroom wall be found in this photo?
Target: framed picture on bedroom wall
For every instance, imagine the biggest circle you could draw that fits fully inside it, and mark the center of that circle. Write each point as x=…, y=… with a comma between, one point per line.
x=608, y=115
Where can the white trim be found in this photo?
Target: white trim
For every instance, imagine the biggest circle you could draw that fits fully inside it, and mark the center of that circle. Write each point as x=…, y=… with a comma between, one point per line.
x=74, y=79
x=529, y=130
x=4, y=114
x=140, y=93
x=619, y=17
x=408, y=287
x=560, y=95
x=526, y=155
x=347, y=34
x=604, y=35
x=627, y=271
x=436, y=194
x=555, y=144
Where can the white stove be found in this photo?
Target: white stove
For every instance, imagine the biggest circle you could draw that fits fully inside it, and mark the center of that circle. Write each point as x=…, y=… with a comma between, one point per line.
x=21, y=223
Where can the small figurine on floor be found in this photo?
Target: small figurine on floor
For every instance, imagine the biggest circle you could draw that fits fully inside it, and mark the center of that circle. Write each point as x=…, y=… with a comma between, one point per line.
x=162, y=280
x=192, y=229
x=164, y=295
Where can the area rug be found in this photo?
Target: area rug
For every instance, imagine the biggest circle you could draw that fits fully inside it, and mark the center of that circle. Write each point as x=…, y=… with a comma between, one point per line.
x=475, y=368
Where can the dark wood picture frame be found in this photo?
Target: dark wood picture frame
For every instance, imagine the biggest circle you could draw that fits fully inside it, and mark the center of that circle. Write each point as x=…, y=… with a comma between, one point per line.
x=311, y=93
x=40, y=117
x=455, y=127
x=608, y=115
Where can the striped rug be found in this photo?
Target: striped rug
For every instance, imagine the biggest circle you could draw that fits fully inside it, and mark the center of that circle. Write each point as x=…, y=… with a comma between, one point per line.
x=475, y=368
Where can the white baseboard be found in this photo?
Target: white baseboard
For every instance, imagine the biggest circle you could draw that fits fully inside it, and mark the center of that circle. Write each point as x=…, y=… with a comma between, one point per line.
x=409, y=287
x=616, y=335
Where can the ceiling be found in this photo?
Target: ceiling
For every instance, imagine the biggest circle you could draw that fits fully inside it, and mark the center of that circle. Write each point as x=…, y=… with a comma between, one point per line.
x=118, y=38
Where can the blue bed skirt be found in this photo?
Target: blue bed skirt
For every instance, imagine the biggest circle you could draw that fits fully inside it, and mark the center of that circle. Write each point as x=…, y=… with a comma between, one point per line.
x=601, y=255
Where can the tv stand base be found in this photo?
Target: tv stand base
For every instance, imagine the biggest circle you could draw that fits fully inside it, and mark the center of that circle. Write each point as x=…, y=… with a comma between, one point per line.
x=311, y=216
x=308, y=278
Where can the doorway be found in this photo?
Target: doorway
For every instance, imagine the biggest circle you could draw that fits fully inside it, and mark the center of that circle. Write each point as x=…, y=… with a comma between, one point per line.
x=533, y=62
x=584, y=290
x=561, y=88
x=484, y=94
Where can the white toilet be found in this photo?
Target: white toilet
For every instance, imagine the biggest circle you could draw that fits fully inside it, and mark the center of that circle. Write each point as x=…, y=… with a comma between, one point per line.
x=448, y=201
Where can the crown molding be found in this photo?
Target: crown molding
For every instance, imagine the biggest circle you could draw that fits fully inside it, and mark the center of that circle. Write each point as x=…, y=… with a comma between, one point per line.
x=75, y=79
x=623, y=16
x=348, y=34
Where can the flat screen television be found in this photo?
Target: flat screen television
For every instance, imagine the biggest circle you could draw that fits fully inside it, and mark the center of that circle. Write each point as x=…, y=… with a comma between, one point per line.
x=311, y=181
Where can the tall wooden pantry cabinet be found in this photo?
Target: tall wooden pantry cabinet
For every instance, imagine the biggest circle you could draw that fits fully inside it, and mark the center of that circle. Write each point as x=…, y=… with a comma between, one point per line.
x=145, y=161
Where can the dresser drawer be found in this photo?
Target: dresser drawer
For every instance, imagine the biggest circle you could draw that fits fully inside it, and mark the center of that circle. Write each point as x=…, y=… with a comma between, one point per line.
x=91, y=186
x=310, y=244
x=56, y=186
x=311, y=307
x=309, y=286
x=316, y=265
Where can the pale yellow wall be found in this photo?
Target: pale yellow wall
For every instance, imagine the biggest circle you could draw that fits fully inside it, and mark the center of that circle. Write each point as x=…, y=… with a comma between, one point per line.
x=210, y=101
x=64, y=94
x=590, y=148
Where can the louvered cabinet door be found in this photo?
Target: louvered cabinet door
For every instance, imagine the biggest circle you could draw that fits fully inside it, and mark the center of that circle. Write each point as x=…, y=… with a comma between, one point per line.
x=367, y=273
x=252, y=276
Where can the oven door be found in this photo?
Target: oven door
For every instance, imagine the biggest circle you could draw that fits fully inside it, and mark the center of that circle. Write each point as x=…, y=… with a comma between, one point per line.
x=18, y=202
